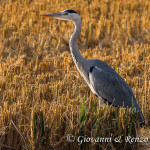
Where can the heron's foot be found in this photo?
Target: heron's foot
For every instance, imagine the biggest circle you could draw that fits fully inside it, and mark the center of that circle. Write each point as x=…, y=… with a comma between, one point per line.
x=101, y=101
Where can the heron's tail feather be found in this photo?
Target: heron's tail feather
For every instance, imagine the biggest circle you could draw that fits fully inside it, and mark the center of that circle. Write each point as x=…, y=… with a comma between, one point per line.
x=141, y=119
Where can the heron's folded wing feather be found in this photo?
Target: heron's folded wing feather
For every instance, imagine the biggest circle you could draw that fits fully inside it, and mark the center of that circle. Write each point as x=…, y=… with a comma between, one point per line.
x=109, y=87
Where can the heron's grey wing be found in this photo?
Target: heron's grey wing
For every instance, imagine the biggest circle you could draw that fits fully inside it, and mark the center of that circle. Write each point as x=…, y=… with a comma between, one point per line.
x=110, y=87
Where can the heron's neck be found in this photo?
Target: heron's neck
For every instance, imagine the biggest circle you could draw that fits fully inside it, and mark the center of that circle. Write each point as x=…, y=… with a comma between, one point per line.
x=80, y=62
x=77, y=57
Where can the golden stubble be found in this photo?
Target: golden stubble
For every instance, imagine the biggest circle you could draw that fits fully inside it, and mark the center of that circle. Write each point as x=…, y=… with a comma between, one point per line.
x=40, y=88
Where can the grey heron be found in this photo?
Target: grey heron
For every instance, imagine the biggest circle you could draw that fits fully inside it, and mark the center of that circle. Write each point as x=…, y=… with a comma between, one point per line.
x=103, y=81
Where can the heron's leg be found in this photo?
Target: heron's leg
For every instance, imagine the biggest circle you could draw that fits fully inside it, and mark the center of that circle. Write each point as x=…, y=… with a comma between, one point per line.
x=101, y=101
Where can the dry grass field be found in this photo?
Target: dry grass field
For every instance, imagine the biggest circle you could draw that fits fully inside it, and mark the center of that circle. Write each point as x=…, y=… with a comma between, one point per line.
x=43, y=98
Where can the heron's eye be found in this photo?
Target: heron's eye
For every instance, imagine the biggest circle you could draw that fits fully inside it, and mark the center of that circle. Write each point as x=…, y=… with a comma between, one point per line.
x=65, y=13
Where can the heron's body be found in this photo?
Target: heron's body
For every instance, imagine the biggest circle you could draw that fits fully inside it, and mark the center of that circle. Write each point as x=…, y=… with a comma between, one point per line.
x=103, y=81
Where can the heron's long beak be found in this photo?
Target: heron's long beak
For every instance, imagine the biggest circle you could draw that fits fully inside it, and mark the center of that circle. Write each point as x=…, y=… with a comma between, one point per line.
x=52, y=15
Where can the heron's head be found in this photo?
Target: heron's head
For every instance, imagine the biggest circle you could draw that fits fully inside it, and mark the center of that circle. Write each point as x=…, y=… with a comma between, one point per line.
x=67, y=14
